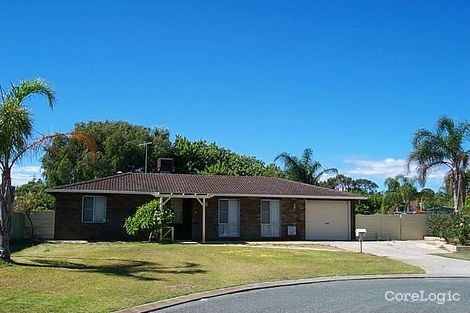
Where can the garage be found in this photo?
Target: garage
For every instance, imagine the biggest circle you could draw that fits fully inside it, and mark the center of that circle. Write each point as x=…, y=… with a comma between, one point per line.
x=327, y=220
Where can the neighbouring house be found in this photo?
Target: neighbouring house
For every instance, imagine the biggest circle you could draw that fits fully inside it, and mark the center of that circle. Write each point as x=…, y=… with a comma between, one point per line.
x=207, y=207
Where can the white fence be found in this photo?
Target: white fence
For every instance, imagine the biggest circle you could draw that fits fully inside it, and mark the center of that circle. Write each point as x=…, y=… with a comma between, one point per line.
x=393, y=227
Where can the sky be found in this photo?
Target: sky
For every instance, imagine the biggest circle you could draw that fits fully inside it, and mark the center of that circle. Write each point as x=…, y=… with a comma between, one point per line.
x=353, y=80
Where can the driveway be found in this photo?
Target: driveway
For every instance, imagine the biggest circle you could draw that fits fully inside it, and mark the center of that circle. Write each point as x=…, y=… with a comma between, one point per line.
x=416, y=252
x=376, y=295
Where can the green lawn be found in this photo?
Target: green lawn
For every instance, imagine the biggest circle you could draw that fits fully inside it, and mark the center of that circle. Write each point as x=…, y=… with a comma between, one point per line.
x=101, y=277
x=457, y=255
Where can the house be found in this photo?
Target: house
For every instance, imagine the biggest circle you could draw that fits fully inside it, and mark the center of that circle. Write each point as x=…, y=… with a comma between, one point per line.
x=207, y=208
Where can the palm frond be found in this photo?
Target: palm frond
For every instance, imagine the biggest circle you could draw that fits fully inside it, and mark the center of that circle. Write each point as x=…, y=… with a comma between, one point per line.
x=82, y=137
x=327, y=171
x=27, y=88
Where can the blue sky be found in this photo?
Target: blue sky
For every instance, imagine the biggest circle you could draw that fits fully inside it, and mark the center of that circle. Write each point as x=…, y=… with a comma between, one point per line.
x=351, y=80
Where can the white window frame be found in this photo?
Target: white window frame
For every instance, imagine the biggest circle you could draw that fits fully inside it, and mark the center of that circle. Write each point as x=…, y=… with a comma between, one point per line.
x=228, y=235
x=94, y=205
x=265, y=226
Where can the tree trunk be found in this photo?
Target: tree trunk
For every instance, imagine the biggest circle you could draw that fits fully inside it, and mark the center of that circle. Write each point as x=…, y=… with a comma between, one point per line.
x=6, y=206
x=28, y=216
x=458, y=190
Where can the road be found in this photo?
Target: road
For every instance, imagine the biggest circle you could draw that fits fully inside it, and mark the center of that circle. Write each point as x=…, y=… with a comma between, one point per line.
x=442, y=295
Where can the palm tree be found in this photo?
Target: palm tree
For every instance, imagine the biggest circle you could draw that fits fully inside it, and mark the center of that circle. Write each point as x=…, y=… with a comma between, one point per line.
x=443, y=148
x=16, y=130
x=304, y=169
x=16, y=139
x=400, y=192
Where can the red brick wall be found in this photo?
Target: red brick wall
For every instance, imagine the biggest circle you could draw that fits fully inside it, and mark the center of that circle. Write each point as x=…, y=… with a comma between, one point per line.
x=119, y=207
x=68, y=218
x=292, y=213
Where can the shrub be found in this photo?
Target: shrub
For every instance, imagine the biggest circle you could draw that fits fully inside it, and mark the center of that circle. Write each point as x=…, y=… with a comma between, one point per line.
x=454, y=228
x=150, y=219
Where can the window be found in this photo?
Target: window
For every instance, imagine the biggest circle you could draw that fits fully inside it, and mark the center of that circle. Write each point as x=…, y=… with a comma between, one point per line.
x=93, y=209
x=177, y=205
x=270, y=218
x=229, y=218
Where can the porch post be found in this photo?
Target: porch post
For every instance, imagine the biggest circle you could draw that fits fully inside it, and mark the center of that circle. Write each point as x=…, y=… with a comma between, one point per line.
x=203, y=220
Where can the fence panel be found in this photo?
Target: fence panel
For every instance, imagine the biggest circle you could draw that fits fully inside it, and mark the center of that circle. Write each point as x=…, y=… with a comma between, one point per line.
x=371, y=223
x=17, y=226
x=413, y=227
x=44, y=223
x=393, y=227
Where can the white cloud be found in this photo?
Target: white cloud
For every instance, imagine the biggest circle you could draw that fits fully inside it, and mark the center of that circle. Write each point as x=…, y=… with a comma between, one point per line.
x=384, y=168
x=22, y=174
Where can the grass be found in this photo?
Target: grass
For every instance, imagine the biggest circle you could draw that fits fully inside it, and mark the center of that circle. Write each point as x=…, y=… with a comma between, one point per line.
x=102, y=277
x=457, y=255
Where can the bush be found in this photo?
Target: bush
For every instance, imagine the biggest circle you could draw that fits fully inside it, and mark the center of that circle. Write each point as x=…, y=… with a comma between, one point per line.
x=149, y=218
x=454, y=228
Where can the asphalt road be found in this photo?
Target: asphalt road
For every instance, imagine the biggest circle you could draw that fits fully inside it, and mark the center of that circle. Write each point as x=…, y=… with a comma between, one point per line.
x=422, y=295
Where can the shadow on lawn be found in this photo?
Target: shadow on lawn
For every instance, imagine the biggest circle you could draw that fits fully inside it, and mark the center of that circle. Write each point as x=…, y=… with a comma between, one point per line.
x=137, y=269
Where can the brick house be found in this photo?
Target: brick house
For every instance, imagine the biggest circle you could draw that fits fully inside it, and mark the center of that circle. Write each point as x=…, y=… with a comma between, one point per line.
x=207, y=208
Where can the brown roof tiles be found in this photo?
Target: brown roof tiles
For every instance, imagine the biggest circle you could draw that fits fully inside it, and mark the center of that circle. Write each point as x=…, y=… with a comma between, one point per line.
x=216, y=185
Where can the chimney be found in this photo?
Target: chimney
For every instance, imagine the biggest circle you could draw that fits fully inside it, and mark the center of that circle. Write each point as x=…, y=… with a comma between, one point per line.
x=165, y=165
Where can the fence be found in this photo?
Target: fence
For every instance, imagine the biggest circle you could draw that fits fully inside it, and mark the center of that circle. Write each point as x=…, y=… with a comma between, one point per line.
x=393, y=227
x=43, y=222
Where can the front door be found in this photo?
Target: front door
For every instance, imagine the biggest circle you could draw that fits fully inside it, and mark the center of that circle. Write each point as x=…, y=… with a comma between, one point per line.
x=182, y=221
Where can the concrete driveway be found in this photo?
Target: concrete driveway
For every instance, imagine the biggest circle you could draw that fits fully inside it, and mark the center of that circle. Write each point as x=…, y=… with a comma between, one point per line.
x=416, y=252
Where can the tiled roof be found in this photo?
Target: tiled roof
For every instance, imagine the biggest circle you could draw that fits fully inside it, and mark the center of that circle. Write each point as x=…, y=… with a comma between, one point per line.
x=202, y=184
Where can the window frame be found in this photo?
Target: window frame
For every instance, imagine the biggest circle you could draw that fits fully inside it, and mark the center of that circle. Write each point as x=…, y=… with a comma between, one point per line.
x=94, y=208
x=228, y=217
x=261, y=217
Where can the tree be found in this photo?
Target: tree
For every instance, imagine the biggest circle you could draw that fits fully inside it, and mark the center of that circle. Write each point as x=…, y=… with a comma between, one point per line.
x=16, y=139
x=150, y=218
x=365, y=186
x=339, y=182
x=16, y=131
x=400, y=192
x=32, y=197
x=361, y=186
x=304, y=169
x=372, y=205
x=68, y=160
x=200, y=157
x=443, y=148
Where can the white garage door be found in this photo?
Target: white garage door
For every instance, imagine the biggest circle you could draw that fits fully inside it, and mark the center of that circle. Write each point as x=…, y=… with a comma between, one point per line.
x=327, y=220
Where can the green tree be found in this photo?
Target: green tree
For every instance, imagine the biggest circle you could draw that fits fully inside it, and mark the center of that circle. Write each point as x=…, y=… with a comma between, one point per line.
x=339, y=182
x=36, y=191
x=68, y=160
x=32, y=197
x=361, y=186
x=372, y=205
x=443, y=148
x=16, y=138
x=200, y=157
x=150, y=218
x=400, y=192
x=304, y=169
x=365, y=186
